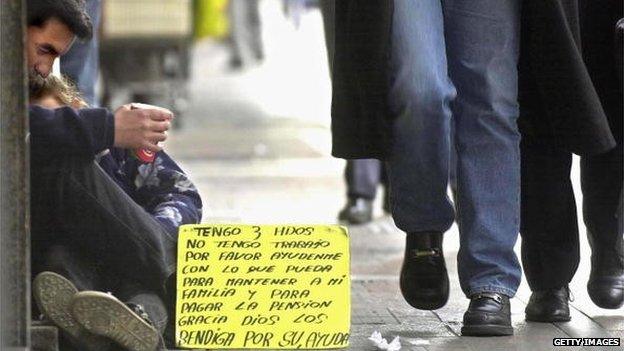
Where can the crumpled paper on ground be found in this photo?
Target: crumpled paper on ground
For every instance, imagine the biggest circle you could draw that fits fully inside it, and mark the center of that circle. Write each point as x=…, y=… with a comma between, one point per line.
x=382, y=344
x=419, y=341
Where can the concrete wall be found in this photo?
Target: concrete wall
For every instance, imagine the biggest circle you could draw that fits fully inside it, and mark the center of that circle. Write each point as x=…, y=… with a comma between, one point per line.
x=14, y=189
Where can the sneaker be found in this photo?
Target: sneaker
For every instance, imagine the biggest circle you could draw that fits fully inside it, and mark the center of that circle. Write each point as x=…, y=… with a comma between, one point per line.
x=53, y=295
x=105, y=315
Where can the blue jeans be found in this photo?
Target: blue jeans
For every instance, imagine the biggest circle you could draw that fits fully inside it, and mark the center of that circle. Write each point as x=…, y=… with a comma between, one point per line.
x=453, y=64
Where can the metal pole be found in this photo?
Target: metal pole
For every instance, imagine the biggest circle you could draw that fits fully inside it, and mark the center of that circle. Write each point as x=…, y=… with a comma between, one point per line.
x=14, y=182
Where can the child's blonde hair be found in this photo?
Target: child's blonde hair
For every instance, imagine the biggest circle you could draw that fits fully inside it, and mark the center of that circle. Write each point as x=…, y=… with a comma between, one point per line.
x=58, y=87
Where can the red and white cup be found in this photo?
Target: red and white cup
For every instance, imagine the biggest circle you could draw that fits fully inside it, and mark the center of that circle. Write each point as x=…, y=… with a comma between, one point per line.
x=144, y=155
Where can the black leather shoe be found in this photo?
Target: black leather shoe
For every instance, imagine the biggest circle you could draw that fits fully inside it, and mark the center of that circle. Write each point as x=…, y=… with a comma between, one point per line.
x=606, y=280
x=357, y=211
x=489, y=314
x=548, y=306
x=424, y=280
x=607, y=292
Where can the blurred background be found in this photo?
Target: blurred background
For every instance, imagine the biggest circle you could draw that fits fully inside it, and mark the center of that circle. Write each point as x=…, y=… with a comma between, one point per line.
x=250, y=85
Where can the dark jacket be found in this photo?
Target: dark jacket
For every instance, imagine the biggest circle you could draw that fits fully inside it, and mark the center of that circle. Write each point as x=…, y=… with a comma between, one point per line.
x=65, y=131
x=602, y=53
x=557, y=96
x=160, y=187
x=360, y=125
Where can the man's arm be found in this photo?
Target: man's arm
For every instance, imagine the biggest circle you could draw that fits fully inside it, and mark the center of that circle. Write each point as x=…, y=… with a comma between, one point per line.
x=84, y=133
x=65, y=131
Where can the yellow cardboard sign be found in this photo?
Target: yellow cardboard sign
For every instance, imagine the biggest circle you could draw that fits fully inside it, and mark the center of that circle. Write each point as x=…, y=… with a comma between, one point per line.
x=263, y=287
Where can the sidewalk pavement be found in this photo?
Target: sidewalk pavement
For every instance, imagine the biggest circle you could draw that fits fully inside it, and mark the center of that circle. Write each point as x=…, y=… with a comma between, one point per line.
x=253, y=166
x=286, y=190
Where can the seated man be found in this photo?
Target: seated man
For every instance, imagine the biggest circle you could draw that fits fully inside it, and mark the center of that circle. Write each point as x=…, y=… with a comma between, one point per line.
x=157, y=194
x=108, y=226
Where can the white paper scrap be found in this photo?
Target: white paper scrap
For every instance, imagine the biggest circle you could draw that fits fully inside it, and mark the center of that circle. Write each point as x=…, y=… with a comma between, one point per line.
x=382, y=344
x=418, y=341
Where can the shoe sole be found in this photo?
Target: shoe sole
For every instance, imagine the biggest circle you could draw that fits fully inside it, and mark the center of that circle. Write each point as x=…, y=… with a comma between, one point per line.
x=104, y=315
x=351, y=222
x=53, y=295
x=426, y=302
x=594, y=294
x=486, y=330
x=428, y=306
x=357, y=221
x=542, y=319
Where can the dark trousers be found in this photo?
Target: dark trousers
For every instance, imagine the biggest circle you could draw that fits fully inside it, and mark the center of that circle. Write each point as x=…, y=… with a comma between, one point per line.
x=363, y=176
x=550, y=238
x=550, y=242
x=86, y=228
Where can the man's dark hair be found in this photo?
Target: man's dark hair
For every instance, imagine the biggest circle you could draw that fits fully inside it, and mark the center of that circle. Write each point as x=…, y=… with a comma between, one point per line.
x=70, y=12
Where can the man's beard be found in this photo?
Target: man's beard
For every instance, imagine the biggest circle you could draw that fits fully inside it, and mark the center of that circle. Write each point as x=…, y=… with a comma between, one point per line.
x=35, y=82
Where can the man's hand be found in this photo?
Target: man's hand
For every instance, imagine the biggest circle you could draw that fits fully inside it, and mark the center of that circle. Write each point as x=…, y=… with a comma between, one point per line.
x=139, y=126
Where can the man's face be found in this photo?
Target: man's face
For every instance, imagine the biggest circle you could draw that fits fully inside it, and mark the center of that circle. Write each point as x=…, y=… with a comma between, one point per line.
x=45, y=44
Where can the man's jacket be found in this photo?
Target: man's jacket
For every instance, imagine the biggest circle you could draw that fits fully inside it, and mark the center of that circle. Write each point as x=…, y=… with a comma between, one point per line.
x=558, y=100
x=161, y=187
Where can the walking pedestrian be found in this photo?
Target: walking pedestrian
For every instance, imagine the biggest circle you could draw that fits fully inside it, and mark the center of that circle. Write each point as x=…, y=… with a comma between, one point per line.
x=362, y=178
x=571, y=102
x=451, y=62
x=245, y=32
